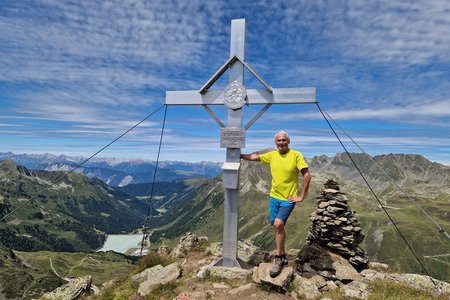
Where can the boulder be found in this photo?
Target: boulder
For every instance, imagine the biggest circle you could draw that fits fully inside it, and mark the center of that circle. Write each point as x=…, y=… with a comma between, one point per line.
x=71, y=290
x=241, y=289
x=165, y=275
x=147, y=273
x=355, y=289
x=224, y=272
x=305, y=288
x=378, y=266
x=279, y=283
x=187, y=243
x=247, y=251
x=163, y=250
x=316, y=260
x=421, y=282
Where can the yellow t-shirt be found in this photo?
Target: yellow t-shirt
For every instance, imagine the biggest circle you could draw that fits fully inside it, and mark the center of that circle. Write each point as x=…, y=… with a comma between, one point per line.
x=284, y=169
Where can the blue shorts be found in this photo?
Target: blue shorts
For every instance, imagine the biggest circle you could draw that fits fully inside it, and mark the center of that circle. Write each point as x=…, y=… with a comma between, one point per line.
x=280, y=209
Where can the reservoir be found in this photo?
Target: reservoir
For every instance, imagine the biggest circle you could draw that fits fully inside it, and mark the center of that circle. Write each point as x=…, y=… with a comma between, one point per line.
x=121, y=242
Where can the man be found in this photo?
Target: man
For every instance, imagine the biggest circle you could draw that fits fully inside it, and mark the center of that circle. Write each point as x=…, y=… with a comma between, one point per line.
x=285, y=165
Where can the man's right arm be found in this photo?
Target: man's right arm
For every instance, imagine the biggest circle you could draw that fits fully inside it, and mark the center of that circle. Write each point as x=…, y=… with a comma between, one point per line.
x=252, y=157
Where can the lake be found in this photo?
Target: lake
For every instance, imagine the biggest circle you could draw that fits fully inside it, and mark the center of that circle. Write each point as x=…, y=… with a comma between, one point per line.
x=121, y=242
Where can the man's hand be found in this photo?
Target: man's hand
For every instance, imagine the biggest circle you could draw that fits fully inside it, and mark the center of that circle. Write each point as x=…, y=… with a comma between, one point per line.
x=296, y=199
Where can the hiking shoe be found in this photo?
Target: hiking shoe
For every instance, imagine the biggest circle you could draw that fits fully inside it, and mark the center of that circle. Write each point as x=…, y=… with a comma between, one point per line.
x=277, y=266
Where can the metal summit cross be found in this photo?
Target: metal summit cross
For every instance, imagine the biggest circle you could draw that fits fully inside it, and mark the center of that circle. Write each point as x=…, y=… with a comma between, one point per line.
x=234, y=97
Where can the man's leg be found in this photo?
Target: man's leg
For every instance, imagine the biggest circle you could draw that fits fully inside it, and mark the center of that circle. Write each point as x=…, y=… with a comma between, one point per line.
x=284, y=210
x=280, y=236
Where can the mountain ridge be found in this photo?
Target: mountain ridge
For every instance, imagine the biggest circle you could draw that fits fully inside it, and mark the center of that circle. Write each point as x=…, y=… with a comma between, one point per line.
x=117, y=172
x=69, y=215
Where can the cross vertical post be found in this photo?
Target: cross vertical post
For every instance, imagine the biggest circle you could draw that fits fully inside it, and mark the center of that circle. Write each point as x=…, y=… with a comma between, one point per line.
x=231, y=201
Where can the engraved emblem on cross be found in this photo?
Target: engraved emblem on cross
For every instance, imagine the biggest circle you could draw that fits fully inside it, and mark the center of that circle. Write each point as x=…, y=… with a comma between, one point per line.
x=234, y=95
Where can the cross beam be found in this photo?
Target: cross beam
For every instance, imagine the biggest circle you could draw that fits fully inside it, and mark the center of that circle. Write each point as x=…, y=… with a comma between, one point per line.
x=235, y=96
x=215, y=97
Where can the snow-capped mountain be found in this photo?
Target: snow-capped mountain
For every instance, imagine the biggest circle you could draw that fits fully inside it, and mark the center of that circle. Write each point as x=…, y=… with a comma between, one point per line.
x=116, y=172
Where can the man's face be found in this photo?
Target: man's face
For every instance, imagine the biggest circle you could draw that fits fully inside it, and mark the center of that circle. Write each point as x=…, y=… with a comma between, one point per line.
x=282, y=142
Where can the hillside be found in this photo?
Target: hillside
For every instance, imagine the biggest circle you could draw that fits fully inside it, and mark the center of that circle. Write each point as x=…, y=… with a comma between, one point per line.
x=163, y=192
x=428, y=183
x=73, y=215
x=27, y=275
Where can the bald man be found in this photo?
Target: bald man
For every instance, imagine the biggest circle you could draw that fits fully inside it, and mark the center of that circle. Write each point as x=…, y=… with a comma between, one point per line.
x=285, y=166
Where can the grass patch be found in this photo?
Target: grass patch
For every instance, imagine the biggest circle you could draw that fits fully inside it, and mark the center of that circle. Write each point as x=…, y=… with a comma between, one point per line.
x=271, y=289
x=101, y=266
x=164, y=291
x=385, y=290
x=151, y=260
x=120, y=290
x=122, y=287
x=207, y=277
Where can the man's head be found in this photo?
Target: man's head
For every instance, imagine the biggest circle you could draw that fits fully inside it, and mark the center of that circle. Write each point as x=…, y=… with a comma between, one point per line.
x=282, y=141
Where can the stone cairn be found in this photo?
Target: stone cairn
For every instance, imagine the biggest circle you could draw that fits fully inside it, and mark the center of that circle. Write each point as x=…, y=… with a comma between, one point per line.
x=335, y=227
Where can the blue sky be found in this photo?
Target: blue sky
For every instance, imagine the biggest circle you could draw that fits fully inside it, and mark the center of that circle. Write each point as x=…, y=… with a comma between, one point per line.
x=76, y=74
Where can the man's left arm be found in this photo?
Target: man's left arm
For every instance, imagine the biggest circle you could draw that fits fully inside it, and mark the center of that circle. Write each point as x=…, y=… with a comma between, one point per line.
x=305, y=186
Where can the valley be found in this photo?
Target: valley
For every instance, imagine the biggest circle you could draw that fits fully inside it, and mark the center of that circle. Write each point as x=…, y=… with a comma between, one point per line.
x=72, y=218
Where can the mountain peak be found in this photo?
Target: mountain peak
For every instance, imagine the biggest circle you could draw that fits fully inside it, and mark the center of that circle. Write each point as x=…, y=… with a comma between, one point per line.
x=11, y=168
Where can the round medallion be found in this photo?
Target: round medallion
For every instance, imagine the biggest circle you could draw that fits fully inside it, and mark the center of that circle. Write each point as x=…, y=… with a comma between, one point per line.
x=234, y=95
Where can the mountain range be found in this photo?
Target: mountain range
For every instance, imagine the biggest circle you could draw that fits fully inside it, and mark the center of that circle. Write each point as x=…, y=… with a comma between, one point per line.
x=117, y=172
x=76, y=213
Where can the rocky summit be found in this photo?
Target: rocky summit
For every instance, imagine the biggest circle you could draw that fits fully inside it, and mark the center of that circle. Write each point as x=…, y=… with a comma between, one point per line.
x=193, y=277
x=335, y=227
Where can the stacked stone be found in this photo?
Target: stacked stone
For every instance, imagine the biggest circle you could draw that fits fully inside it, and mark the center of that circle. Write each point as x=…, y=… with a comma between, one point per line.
x=335, y=226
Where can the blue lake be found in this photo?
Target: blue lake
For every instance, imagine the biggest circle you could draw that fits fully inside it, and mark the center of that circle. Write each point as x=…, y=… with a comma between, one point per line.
x=121, y=242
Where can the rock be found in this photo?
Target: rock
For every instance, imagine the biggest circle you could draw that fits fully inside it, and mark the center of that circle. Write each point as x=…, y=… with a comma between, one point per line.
x=323, y=205
x=314, y=259
x=331, y=285
x=279, y=283
x=71, y=290
x=255, y=275
x=182, y=296
x=224, y=272
x=334, y=210
x=305, y=288
x=221, y=285
x=163, y=276
x=187, y=243
x=292, y=253
x=247, y=251
x=378, y=266
x=421, y=282
x=241, y=289
x=344, y=270
x=147, y=273
x=355, y=289
x=330, y=191
x=331, y=184
x=163, y=250
x=424, y=283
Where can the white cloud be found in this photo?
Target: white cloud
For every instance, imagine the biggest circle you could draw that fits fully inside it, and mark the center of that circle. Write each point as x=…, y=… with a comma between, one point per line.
x=90, y=67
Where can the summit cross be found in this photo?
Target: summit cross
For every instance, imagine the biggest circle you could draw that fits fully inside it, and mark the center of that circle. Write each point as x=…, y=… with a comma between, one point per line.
x=234, y=97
